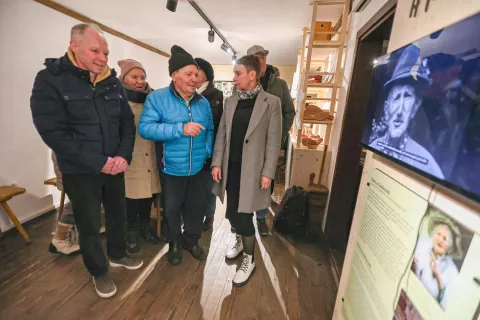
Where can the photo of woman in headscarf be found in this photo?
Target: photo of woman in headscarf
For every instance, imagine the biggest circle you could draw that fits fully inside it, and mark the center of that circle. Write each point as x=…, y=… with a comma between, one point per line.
x=439, y=255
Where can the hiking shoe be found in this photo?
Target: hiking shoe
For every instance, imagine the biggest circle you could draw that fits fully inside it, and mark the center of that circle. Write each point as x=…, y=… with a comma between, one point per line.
x=197, y=252
x=133, y=246
x=237, y=248
x=147, y=234
x=126, y=262
x=245, y=271
x=174, y=254
x=67, y=246
x=104, y=286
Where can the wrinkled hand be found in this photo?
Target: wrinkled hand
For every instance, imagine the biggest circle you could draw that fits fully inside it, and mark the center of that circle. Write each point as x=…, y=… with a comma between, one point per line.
x=192, y=129
x=434, y=266
x=265, y=182
x=119, y=166
x=107, y=168
x=217, y=174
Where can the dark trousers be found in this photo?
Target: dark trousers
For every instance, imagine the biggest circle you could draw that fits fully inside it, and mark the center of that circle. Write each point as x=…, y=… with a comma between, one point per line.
x=241, y=221
x=138, y=210
x=184, y=197
x=87, y=193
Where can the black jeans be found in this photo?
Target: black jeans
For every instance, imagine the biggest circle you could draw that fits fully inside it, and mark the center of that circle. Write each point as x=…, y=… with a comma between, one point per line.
x=241, y=221
x=87, y=192
x=184, y=196
x=138, y=210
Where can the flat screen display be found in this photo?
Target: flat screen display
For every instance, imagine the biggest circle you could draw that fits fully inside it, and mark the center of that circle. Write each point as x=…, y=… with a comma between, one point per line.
x=423, y=110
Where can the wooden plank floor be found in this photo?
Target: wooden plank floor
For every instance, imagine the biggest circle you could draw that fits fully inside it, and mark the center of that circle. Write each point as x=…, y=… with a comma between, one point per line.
x=291, y=281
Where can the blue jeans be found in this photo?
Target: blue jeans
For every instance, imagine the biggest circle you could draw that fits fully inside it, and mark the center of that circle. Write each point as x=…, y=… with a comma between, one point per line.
x=262, y=214
x=211, y=198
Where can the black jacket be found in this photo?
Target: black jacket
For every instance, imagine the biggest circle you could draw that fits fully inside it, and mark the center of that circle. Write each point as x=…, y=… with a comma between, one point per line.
x=82, y=123
x=278, y=87
x=215, y=97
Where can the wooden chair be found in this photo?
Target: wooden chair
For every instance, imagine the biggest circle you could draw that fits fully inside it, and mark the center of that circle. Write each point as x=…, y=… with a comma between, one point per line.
x=7, y=193
x=53, y=182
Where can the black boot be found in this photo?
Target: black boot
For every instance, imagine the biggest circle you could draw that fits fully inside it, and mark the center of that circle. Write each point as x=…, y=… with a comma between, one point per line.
x=133, y=246
x=208, y=223
x=197, y=252
x=146, y=232
x=174, y=255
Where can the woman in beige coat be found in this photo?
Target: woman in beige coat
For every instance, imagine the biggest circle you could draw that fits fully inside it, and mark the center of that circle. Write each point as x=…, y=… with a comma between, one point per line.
x=245, y=157
x=142, y=179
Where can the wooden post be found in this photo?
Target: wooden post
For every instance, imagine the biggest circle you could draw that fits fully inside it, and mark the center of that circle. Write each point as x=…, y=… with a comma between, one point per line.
x=307, y=69
x=60, y=208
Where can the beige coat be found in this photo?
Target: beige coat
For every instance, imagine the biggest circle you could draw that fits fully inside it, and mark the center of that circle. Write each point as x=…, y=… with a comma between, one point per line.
x=260, y=150
x=142, y=179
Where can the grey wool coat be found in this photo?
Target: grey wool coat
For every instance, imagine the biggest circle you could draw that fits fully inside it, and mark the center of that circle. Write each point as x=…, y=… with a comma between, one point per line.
x=260, y=150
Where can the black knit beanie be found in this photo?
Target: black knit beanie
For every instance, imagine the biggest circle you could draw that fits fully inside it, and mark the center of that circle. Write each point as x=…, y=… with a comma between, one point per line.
x=206, y=67
x=179, y=59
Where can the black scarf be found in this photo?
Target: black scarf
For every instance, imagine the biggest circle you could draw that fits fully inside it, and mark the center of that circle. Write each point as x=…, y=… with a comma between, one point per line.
x=136, y=96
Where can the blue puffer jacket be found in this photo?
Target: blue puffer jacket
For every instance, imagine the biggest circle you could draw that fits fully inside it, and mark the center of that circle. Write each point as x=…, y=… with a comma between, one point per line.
x=164, y=114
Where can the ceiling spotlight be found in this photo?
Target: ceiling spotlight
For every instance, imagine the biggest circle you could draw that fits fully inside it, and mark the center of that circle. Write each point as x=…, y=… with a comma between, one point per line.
x=234, y=59
x=226, y=48
x=211, y=36
x=375, y=61
x=172, y=5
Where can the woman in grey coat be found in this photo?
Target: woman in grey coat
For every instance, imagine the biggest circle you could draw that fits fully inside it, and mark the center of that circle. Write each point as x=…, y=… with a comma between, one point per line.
x=245, y=157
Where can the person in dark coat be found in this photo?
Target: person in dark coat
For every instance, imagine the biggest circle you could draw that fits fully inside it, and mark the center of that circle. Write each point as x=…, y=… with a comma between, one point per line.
x=81, y=111
x=215, y=97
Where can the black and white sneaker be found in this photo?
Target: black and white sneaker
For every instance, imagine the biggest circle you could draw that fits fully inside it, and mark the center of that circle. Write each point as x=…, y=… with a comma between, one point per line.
x=104, y=286
x=126, y=262
x=246, y=269
x=237, y=248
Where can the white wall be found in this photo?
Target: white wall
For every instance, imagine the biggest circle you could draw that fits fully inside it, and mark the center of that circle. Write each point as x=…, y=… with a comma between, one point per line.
x=31, y=32
x=357, y=21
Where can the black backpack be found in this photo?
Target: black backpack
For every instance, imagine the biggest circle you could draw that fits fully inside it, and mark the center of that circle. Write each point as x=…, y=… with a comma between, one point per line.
x=290, y=215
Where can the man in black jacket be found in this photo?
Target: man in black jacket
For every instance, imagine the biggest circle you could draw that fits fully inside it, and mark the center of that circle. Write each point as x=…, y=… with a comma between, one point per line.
x=81, y=111
x=278, y=87
x=206, y=88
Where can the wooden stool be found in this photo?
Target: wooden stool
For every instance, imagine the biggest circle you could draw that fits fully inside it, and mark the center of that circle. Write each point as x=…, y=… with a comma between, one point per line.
x=7, y=193
x=53, y=182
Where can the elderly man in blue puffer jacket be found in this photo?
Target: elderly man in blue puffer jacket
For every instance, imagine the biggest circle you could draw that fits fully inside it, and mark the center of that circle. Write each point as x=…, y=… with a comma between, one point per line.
x=180, y=121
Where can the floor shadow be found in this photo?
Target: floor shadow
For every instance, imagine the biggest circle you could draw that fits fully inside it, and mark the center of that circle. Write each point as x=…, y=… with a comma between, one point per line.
x=303, y=269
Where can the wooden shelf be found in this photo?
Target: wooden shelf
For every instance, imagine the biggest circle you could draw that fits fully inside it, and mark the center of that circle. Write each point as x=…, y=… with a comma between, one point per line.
x=332, y=82
x=320, y=73
x=326, y=44
x=317, y=122
x=322, y=85
x=319, y=99
x=328, y=3
x=324, y=32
